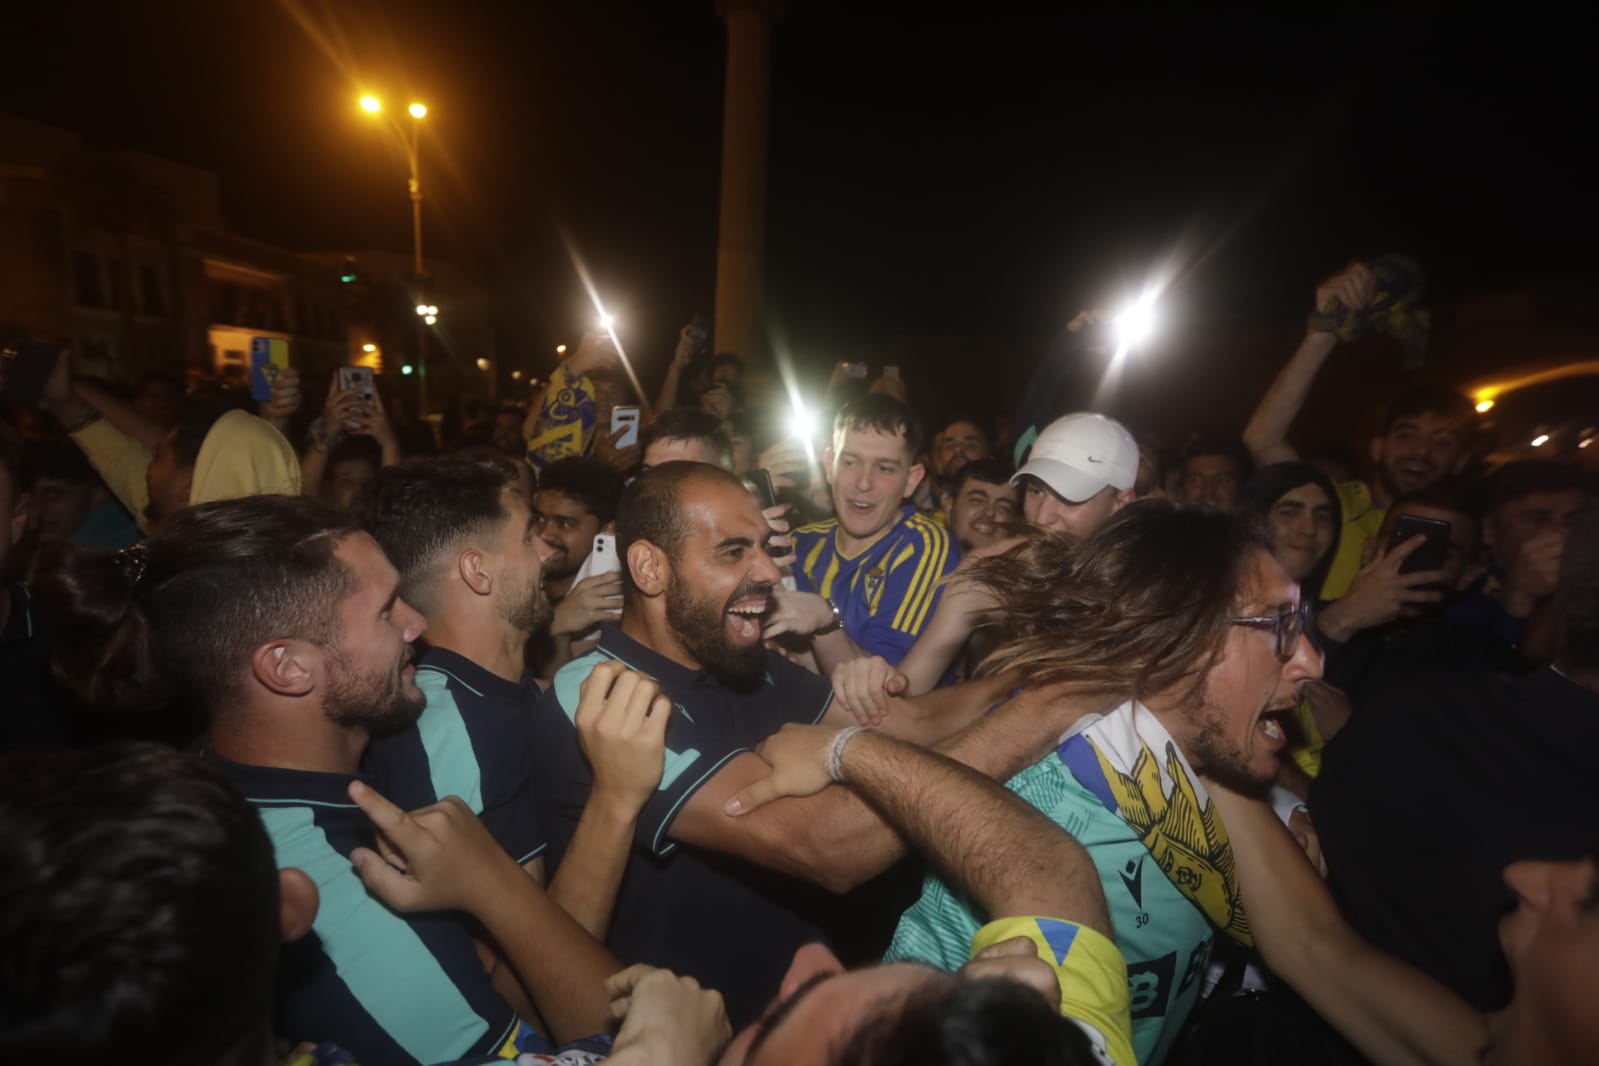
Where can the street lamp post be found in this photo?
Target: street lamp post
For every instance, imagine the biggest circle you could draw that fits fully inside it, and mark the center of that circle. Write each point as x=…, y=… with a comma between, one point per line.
x=412, y=142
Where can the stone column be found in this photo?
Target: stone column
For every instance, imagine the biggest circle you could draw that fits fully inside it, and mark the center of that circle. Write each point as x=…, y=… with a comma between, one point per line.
x=741, y=237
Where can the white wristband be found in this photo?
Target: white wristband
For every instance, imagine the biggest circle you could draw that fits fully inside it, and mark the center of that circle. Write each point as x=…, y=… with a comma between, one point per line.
x=835, y=751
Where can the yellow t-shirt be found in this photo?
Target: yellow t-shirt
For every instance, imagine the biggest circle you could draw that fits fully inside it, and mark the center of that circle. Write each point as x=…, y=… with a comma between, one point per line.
x=1092, y=976
x=1362, y=519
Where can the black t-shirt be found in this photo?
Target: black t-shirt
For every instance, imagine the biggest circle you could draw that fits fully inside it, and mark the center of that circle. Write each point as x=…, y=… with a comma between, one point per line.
x=730, y=924
x=1432, y=790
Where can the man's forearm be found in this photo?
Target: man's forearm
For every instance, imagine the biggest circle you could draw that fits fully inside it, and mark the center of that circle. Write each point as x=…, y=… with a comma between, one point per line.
x=122, y=415
x=560, y=964
x=1266, y=435
x=1007, y=855
x=1394, y=1013
x=591, y=870
x=833, y=649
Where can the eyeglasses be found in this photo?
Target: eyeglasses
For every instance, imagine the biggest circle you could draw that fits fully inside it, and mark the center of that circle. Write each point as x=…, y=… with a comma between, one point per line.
x=1289, y=625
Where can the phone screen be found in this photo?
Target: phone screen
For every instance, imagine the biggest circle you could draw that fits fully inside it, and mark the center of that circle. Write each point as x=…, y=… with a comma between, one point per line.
x=624, y=420
x=761, y=487
x=1431, y=555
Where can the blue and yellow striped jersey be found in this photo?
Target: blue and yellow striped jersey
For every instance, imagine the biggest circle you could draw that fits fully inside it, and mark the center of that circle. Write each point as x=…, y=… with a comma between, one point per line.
x=887, y=592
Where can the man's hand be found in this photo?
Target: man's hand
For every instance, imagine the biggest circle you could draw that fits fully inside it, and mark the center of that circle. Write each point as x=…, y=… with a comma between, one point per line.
x=621, y=727
x=371, y=420
x=595, y=350
x=1016, y=959
x=1380, y=593
x=1534, y=574
x=797, y=755
x=683, y=354
x=341, y=406
x=800, y=613
x=622, y=460
x=667, y=1020
x=595, y=599
x=887, y=386
x=781, y=546
x=865, y=687
x=436, y=858
x=286, y=399
x=1352, y=287
x=786, y=462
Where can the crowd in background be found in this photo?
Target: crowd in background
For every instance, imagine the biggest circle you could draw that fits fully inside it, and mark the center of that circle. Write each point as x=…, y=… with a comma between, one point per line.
x=668, y=729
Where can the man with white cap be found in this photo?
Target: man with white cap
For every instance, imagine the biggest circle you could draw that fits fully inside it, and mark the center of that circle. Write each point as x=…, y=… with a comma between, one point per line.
x=1080, y=471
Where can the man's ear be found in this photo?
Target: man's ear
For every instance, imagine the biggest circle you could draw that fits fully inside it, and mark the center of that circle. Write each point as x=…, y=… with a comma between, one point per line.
x=649, y=566
x=1376, y=449
x=827, y=464
x=609, y=527
x=946, y=503
x=286, y=667
x=918, y=471
x=473, y=573
x=1123, y=498
x=298, y=900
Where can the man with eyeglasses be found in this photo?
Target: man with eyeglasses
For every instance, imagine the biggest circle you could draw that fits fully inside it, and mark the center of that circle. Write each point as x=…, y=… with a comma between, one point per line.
x=1185, y=638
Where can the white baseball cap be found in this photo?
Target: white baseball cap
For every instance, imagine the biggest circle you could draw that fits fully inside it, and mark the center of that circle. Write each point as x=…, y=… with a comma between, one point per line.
x=1078, y=455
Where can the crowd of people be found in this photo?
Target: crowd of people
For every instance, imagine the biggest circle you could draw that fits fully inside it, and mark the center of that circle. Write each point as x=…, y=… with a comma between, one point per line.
x=550, y=734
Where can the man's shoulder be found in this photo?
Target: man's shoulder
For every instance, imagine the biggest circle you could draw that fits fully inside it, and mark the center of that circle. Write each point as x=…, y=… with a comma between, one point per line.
x=566, y=688
x=1359, y=505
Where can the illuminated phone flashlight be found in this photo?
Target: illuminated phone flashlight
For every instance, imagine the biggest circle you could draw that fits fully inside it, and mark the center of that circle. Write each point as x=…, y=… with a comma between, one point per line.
x=801, y=423
x=607, y=320
x=1135, y=323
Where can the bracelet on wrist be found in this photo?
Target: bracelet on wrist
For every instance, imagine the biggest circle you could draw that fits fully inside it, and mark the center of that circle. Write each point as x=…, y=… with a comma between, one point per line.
x=835, y=751
x=836, y=625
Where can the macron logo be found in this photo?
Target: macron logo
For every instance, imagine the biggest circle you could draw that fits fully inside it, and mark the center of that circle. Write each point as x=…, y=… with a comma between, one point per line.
x=1133, y=878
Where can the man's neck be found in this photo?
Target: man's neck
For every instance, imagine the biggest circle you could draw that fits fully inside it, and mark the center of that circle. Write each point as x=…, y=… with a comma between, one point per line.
x=853, y=546
x=651, y=629
x=265, y=737
x=497, y=647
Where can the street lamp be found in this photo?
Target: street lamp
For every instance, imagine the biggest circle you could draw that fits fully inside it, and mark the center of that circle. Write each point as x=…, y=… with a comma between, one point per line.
x=412, y=141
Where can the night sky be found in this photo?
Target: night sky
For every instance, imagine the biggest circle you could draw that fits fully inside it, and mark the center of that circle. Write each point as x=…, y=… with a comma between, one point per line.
x=977, y=178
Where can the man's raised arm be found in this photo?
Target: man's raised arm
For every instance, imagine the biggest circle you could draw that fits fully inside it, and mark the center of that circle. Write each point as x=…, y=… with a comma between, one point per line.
x=1266, y=435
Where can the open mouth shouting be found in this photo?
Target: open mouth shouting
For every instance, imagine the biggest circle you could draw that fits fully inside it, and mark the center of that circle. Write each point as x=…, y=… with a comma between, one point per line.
x=745, y=610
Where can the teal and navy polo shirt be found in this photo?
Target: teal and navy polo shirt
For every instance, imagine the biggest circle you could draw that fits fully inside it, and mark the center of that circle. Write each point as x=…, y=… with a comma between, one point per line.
x=389, y=988
x=473, y=741
x=729, y=924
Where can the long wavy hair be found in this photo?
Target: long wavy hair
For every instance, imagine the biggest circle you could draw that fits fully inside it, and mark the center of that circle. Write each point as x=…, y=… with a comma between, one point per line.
x=1143, y=606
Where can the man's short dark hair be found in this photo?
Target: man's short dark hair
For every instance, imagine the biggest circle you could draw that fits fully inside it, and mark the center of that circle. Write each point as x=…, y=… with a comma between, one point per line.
x=962, y=417
x=988, y=1022
x=1523, y=477
x=878, y=413
x=652, y=508
x=1428, y=400
x=690, y=423
x=179, y=617
x=1202, y=444
x=991, y=469
x=593, y=484
x=1451, y=494
x=1577, y=597
x=58, y=460
x=135, y=885
x=425, y=509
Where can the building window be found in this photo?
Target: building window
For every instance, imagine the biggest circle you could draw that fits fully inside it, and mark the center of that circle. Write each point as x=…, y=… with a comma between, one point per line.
x=86, y=270
x=151, y=302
